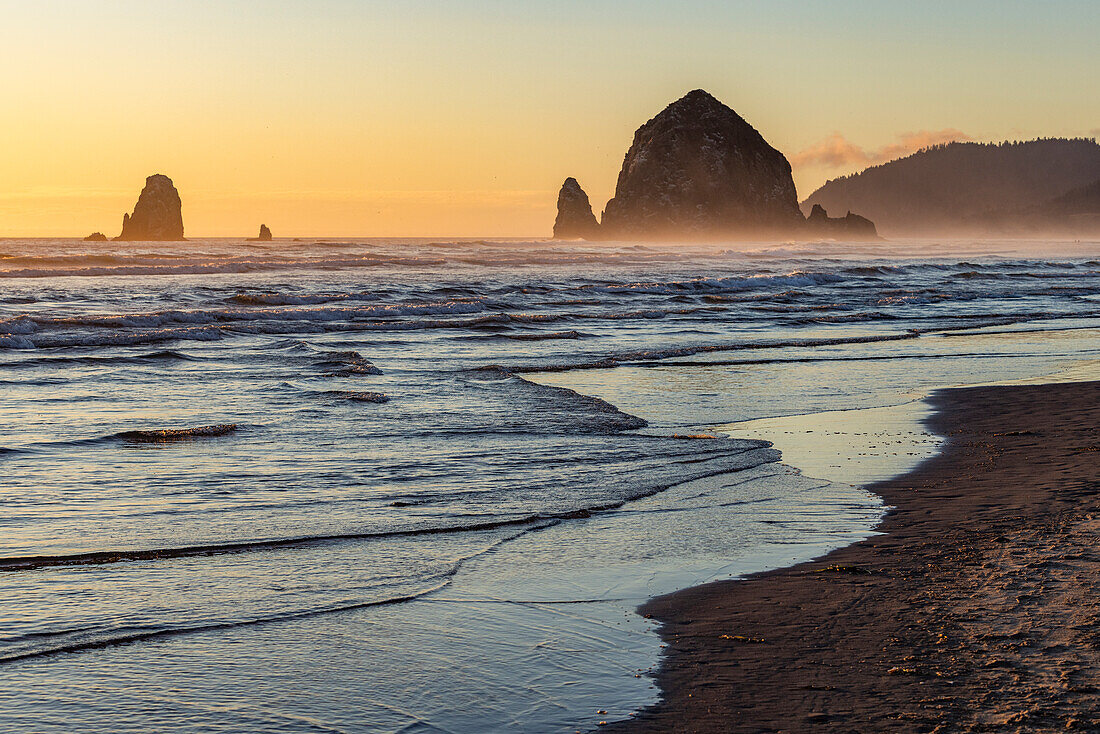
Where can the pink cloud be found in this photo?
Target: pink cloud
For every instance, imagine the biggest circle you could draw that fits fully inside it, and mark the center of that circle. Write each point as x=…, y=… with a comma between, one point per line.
x=836, y=151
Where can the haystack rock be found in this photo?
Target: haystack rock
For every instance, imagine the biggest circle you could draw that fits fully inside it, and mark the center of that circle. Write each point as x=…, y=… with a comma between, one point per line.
x=575, y=219
x=699, y=171
x=157, y=214
x=96, y=237
x=263, y=236
x=849, y=227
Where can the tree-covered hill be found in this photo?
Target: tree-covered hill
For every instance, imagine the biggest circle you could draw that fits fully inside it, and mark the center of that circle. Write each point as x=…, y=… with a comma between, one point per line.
x=964, y=188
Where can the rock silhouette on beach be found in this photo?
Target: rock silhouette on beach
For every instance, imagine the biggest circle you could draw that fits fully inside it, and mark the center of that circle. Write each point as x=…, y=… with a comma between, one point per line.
x=157, y=215
x=850, y=226
x=96, y=237
x=263, y=236
x=698, y=169
x=575, y=219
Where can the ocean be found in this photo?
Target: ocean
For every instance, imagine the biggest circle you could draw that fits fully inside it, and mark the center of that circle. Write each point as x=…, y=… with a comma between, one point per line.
x=421, y=486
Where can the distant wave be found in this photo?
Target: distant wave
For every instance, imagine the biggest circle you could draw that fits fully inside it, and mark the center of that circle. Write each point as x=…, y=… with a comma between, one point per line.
x=22, y=332
x=133, y=436
x=30, y=332
x=151, y=336
x=545, y=336
x=165, y=355
x=781, y=296
x=809, y=278
x=153, y=319
x=846, y=318
x=485, y=254
x=89, y=265
x=502, y=255
x=357, y=396
x=731, y=283
x=41, y=330
x=286, y=299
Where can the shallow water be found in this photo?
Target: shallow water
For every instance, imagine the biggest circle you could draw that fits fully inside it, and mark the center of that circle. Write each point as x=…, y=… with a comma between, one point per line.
x=421, y=486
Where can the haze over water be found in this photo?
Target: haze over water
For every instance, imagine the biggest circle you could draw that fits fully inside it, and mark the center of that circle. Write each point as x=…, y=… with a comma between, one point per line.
x=318, y=486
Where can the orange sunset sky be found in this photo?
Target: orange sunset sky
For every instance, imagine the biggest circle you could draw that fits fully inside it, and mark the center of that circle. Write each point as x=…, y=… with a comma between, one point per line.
x=341, y=117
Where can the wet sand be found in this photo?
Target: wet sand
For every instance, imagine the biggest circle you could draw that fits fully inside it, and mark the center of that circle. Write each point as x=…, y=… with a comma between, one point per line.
x=976, y=609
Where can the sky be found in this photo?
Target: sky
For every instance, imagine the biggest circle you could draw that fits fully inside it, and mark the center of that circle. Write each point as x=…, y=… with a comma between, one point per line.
x=435, y=118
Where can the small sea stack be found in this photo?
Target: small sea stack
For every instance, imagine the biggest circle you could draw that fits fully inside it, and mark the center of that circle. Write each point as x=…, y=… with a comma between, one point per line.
x=849, y=227
x=263, y=236
x=157, y=216
x=96, y=237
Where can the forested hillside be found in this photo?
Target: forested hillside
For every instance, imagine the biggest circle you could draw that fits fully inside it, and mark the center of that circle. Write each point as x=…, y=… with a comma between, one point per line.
x=964, y=187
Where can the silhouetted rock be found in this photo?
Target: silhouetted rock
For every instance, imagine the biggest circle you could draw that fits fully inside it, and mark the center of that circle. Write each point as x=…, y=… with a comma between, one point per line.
x=575, y=219
x=849, y=227
x=264, y=236
x=698, y=170
x=96, y=237
x=859, y=227
x=157, y=215
x=818, y=215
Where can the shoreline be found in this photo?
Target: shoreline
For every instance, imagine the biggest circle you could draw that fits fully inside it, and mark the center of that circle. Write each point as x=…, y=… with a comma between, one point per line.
x=971, y=609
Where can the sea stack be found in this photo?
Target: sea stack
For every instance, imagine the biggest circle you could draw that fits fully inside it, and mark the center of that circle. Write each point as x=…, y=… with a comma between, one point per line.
x=263, y=236
x=698, y=170
x=157, y=215
x=575, y=219
x=96, y=237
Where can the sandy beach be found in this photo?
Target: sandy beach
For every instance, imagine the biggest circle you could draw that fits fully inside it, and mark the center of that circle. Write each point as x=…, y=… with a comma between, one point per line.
x=973, y=610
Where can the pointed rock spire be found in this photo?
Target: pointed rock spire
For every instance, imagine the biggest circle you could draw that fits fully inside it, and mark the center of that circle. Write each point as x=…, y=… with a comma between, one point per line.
x=575, y=219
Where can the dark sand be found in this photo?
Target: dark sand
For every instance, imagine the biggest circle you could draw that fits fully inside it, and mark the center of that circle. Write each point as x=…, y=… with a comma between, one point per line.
x=977, y=610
